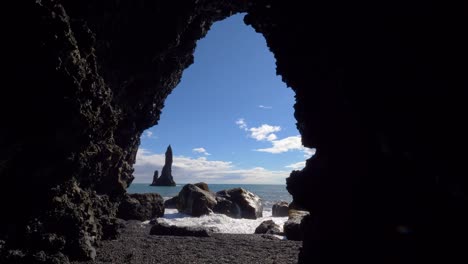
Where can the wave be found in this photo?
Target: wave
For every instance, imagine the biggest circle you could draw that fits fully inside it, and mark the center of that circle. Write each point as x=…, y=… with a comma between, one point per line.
x=220, y=222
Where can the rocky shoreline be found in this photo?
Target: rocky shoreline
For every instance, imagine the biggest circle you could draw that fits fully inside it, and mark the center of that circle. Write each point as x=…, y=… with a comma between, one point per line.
x=136, y=245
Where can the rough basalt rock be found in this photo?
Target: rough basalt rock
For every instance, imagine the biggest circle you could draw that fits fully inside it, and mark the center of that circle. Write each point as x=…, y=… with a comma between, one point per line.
x=164, y=229
x=166, y=178
x=194, y=201
x=202, y=186
x=141, y=206
x=249, y=204
x=293, y=226
x=268, y=227
x=280, y=209
x=171, y=203
x=379, y=91
x=227, y=207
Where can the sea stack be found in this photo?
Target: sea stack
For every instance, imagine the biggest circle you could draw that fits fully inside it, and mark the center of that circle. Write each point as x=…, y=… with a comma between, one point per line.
x=155, y=178
x=166, y=174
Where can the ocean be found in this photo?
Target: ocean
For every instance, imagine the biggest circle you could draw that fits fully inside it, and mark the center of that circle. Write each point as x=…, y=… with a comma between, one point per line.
x=269, y=194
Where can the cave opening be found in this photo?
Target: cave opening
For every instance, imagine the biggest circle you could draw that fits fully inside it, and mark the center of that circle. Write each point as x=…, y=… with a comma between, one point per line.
x=230, y=122
x=230, y=106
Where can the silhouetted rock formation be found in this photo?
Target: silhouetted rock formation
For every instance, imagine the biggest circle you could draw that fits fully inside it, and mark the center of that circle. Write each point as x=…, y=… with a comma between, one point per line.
x=155, y=178
x=166, y=174
x=380, y=91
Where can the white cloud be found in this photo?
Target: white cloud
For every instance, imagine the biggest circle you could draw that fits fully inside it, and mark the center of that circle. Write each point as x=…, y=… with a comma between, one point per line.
x=297, y=166
x=287, y=144
x=309, y=152
x=264, y=132
x=284, y=145
x=147, y=134
x=241, y=123
x=265, y=107
x=186, y=169
x=201, y=151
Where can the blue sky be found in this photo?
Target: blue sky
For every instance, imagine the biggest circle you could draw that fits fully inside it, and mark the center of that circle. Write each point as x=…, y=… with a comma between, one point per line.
x=230, y=120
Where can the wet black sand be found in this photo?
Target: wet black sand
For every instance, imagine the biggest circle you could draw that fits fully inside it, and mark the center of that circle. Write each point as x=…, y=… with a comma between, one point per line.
x=135, y=245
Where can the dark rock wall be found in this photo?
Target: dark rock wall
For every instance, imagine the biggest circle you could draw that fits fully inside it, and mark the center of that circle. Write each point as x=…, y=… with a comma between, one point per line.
x=85, y=79
x=380, y=92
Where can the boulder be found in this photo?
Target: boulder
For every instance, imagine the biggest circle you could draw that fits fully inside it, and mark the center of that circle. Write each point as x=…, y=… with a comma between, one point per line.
x=249, y=204
x=141, y=206
x=171, y=203
x=292, y=227
x=194, y=201
x=202, y=186
x=268, y=227
x=226, y=207
x=164, y=229
x=280, y=209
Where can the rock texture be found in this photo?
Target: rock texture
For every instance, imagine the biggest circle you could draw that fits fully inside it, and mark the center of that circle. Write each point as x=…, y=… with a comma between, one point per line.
x=171, y=203
x=268, y=227
x=280, y=209
x=164, y=229
x=197, y=200
x=380, y=93
x=166, y=174
x=293, y=228
x=249, y=204
x=194, y=201
x=141, y=206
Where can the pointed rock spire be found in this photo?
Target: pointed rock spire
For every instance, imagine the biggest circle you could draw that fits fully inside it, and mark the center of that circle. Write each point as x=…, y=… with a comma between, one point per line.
x=166, y=174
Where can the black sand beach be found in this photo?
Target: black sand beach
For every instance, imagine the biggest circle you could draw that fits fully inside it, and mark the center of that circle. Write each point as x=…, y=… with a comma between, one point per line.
x=135, y=245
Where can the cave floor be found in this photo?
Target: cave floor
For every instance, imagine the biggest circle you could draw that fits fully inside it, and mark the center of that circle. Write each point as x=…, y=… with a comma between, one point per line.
x=135, y=245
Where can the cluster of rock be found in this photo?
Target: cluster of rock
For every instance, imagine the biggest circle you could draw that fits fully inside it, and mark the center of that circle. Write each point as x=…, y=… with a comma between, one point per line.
x=291, y=228
x=197, y=200
x=166, y=178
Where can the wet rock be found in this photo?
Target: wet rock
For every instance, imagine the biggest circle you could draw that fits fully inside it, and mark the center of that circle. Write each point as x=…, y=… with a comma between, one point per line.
x=141, y=207
x=202, y=186
x=227, y=207
x=194, y=201
x=292, y=227
x=171, y=203
x=268, y=227
x=280, y=209
x=164, y=229
x=249, y=204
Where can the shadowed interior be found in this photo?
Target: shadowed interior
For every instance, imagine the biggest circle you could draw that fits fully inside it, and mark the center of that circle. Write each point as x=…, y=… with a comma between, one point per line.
x=381, y=93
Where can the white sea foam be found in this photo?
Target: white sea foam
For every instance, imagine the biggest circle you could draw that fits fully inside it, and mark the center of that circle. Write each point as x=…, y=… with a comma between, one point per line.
x=223, y=223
